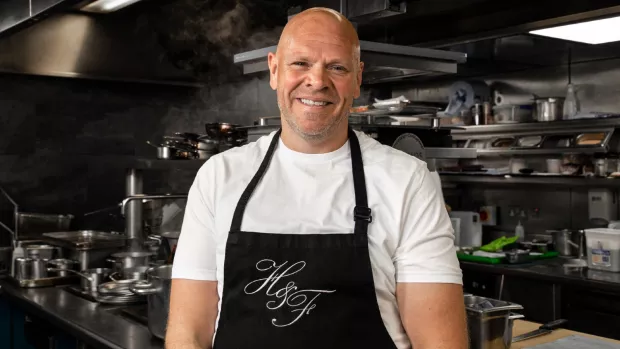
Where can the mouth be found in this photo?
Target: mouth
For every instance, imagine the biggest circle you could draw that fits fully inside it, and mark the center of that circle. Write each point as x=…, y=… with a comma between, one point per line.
x=318, y=103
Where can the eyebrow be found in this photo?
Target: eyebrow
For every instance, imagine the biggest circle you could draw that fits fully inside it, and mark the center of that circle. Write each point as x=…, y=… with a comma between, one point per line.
x=307, y=59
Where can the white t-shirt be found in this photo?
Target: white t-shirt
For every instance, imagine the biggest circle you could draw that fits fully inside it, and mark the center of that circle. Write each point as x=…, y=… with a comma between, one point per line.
x=410, y=238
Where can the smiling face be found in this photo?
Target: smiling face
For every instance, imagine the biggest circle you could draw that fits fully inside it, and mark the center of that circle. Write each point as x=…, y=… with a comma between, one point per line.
x=316, y=73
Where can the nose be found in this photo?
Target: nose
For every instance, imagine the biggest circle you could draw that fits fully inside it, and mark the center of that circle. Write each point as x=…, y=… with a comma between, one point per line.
x=317, y=78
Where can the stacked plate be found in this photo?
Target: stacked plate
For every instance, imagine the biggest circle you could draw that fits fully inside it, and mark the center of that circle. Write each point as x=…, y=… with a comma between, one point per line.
x=117, y=292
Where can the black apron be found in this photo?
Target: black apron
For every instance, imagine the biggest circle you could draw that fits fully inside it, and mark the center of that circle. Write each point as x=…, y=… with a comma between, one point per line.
x=301, y=291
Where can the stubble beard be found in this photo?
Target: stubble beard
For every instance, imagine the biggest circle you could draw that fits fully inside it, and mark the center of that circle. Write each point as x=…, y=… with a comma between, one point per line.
x=316, y=136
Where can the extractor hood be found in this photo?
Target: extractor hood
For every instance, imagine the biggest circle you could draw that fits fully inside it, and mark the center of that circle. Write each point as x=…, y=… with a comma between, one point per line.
x=382, y=62
x=18, y=14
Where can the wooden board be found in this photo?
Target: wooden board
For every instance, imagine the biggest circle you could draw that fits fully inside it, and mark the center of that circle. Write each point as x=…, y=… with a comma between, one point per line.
x=522, y=326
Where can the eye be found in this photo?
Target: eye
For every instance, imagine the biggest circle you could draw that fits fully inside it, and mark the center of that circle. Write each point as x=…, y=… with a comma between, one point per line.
x=339, y=68
x=300, y=64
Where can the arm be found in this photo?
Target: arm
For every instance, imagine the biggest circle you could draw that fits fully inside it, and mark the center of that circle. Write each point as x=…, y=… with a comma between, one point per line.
x=429, y=279
x=191, y=320
x=433, y=315
x=194, y=295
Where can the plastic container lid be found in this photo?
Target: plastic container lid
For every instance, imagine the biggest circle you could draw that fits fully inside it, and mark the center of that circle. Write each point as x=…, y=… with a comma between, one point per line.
x=606, y=231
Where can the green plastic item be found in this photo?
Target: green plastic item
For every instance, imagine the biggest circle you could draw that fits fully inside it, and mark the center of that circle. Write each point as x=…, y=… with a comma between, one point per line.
x=498, y=244
x=501, y=260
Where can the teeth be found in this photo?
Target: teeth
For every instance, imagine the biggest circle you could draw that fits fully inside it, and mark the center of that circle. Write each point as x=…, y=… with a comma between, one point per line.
x=312, y=103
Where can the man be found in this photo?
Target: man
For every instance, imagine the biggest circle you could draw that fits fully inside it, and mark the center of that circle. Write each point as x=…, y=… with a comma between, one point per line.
x=315, y=236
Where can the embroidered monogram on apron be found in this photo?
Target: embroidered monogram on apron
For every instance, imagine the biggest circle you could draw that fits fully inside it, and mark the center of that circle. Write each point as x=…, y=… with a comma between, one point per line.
x=301, y=291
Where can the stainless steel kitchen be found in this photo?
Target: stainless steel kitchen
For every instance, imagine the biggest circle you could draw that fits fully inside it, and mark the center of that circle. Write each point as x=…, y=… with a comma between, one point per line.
x=111, y=110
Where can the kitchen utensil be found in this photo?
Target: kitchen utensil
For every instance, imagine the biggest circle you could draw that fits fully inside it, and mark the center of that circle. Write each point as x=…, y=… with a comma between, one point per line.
x=516, y=164
x=512, y=114
x=116, y=288
x=536, y=246
x=590, y=139
x=564, y=243
x=135, y=273
x=264, y=121
x=208, y=144
x=542, y=330
x=529, y=141
x=601, y=167
x=554, y=166
x=91, y=278
x=126, y=260
x=39, y=269
x=63, y=265
x=549, y=109
x=157, y=290
x=23, y=268
x=41, y=251
x=517, y=256
x=504, y=142
x=490, y=322
x=165, y=153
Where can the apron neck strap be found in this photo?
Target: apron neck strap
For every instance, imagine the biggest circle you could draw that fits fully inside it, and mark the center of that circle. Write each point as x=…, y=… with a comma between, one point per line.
x=361, y=213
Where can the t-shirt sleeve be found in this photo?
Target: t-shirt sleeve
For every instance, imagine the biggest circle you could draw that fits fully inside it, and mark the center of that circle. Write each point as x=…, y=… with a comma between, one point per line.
x=196, y=250
x=426, y=251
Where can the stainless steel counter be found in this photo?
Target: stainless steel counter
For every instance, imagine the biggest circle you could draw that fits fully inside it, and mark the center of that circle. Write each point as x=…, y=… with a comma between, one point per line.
x=98, y=326
x=552, y=270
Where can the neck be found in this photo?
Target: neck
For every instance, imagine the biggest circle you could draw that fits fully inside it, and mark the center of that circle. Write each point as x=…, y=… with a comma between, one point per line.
x=333, y=142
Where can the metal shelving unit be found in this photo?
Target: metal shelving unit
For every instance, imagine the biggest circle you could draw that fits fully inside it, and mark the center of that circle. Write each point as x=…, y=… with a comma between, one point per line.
x=557, y=181
x=483, y=137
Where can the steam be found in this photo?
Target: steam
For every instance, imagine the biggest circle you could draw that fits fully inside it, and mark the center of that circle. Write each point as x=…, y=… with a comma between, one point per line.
x=202, y=36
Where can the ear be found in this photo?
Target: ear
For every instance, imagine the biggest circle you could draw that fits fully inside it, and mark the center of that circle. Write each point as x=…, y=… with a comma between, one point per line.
x=358, y=83
x=272, y=61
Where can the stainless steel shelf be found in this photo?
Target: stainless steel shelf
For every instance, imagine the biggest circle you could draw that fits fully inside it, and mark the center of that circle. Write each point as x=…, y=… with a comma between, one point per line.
x=562, y=181
x=157, y=164
x=540, y=151
x=451, y=153
x=539, y=128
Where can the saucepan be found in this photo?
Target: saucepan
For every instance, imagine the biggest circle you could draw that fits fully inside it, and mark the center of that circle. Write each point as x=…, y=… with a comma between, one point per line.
x=63, y=266
x=135, y=273
x=171, y=152
x=126, y=260
x=27, y=268
x=157, y=289
x=91, y=278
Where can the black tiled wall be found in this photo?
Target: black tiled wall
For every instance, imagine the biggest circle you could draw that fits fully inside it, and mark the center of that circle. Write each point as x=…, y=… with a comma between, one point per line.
x=64, y=142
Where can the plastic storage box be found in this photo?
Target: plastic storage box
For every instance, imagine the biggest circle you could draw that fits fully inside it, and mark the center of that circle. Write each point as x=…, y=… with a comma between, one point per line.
x=603, y=247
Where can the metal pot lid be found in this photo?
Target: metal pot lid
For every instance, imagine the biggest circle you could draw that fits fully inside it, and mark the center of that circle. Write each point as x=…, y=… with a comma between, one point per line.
x=62, y=261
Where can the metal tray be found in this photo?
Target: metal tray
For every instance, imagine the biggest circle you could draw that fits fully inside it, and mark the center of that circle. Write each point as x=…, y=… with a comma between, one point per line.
x=46, y=282
x=86, y=239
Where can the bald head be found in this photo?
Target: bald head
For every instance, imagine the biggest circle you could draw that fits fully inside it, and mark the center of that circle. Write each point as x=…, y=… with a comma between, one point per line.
x=317, y=73
x=321, y=21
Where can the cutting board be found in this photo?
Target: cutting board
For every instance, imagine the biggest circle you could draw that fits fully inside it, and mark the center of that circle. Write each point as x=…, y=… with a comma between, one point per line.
x=577, y=342
x=502, y=260
x=523, y=326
